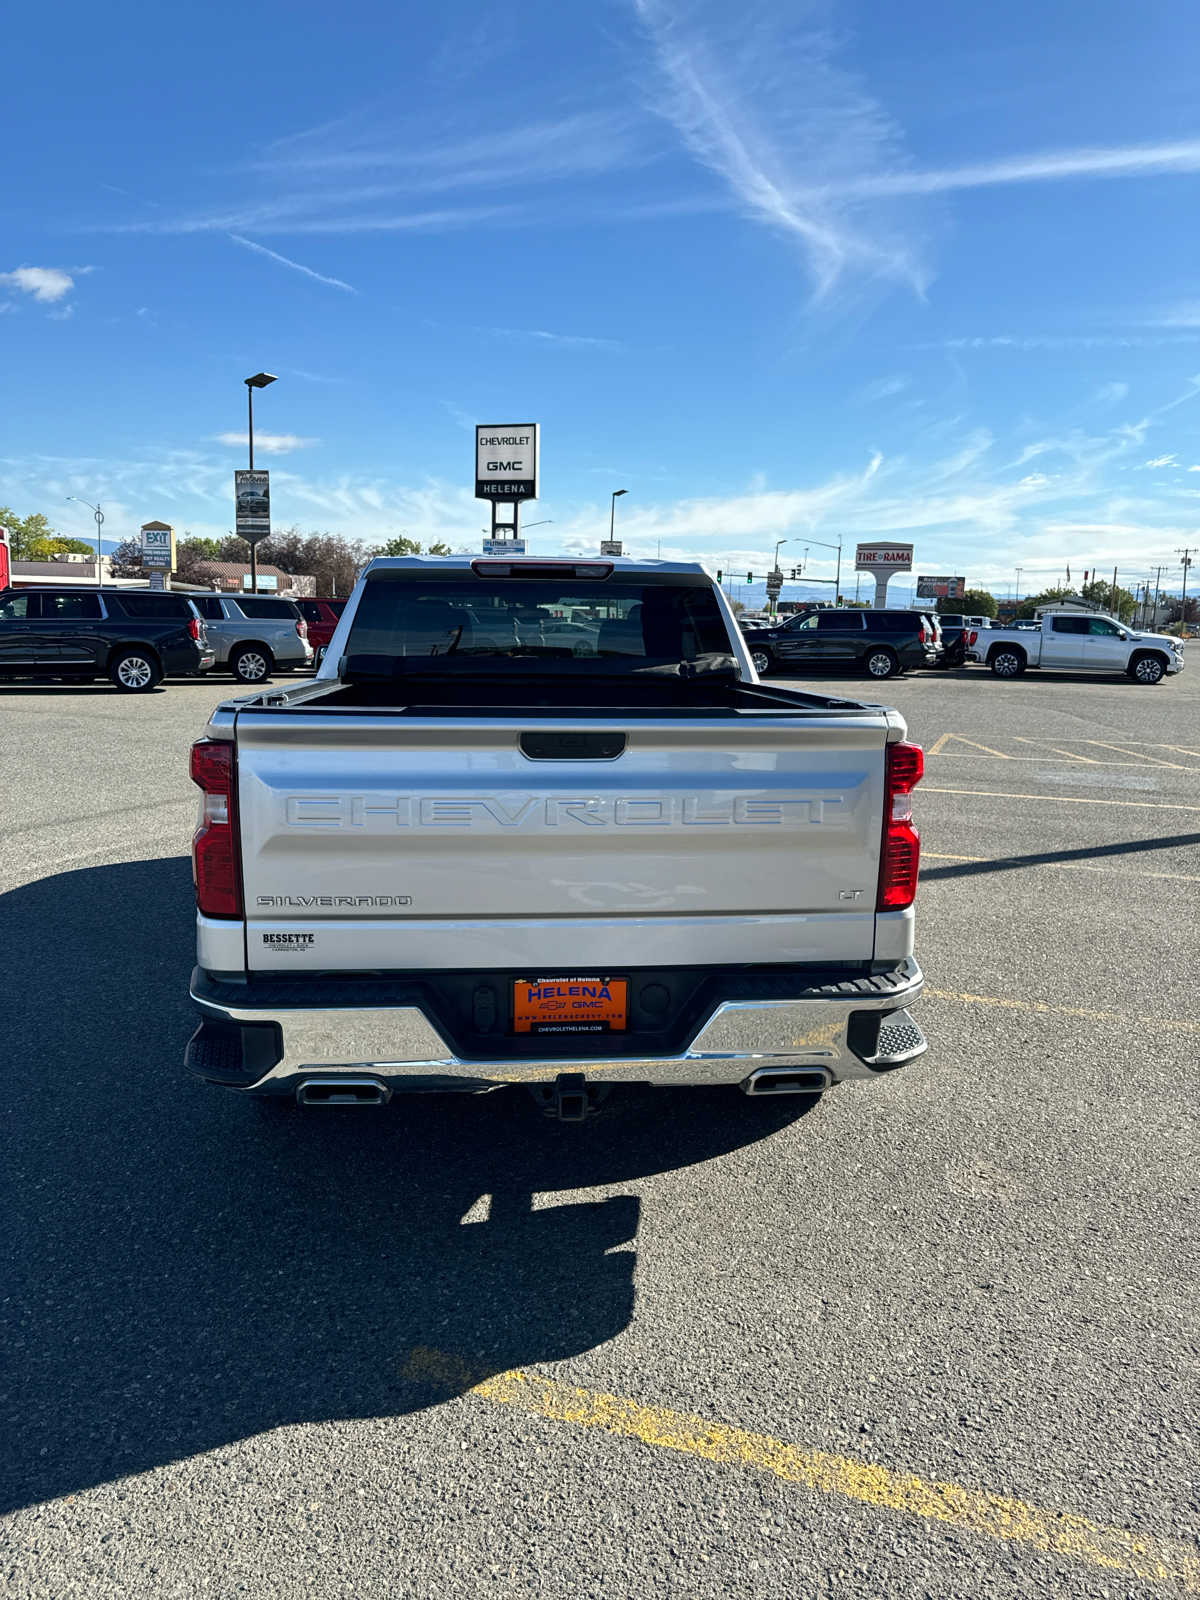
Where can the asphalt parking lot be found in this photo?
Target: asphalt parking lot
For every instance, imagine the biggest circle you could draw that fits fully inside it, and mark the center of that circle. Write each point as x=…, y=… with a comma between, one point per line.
x=936, y=1337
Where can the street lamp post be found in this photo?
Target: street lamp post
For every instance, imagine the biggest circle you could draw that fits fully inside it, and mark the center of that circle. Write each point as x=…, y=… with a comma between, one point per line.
x=99, y=516
x=612, y=513
x=837, y=582
x=260, y=380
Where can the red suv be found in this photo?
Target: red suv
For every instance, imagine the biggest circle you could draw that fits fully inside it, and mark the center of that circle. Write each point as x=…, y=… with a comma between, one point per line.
x=322, y=617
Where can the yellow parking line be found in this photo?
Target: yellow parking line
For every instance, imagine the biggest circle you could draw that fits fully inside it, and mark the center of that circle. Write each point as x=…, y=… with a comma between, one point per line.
x=1072, y=866
x=1154, y=760
x=936, y=749
x=971, y=1511
x=1070, y=754
x=1040, y=1008
x=1060, y=799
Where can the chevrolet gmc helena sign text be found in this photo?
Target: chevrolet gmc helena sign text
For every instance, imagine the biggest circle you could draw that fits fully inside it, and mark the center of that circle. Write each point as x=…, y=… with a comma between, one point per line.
x=506, y=461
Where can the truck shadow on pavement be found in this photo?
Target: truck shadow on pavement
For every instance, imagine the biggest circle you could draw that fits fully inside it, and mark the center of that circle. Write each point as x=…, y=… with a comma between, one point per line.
x=187, y=1271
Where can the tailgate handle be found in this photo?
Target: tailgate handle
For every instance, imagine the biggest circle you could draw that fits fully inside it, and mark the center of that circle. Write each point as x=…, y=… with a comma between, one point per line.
x=572, y=746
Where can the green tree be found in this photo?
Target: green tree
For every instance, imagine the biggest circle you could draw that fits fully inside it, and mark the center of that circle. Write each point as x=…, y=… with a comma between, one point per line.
x=404, y=546
x=24, y=532
x=974, y=603
x=42, y=549
x=1028, y=608
x=1117, y=602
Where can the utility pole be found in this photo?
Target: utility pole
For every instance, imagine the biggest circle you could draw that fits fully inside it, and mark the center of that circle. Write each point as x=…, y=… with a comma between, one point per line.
x=1116, y=612
x=1187, y=561
x=1158, y=571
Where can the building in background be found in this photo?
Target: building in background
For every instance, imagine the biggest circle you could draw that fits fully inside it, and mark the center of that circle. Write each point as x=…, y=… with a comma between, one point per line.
x=233, y=577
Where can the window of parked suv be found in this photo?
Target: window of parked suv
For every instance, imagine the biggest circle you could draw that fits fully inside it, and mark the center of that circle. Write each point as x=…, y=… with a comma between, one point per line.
x=278, y=610
x=71, y=605
x=892, y=621
x=209, y=607
x=14, y=608
x=146, y=603
x=832, y=622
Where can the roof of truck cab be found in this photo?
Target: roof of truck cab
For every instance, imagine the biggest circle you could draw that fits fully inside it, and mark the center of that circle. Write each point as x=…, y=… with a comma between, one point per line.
x=464, y=563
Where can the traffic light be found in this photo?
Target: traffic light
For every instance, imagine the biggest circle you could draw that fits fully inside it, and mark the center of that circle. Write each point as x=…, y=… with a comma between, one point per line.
x=720, y=575
x=749, y=577
x=795, y=573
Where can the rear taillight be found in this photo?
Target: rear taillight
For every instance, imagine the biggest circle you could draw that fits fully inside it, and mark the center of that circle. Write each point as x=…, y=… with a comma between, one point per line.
x=194, y=628
x=900, y=855
x=926, y=636
x=302, y=628
x=972, y=636
x=215, y=864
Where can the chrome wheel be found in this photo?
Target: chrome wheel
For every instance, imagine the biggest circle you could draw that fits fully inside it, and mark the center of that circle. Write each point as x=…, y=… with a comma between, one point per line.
x=761, y=660
x=1148, y=670
x=1007, y=664
x=251, y=666
x=134, y=672
x=881, y=663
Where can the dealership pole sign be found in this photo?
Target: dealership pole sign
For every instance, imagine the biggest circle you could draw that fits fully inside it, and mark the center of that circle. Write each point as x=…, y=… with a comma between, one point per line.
x=881, y=559
x=506, y=461
x=941, y=588
x=252, y=505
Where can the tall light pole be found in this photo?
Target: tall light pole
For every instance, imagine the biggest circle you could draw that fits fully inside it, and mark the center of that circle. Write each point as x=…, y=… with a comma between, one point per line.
x=260, y=380
x=612, y=513
x=837, y=582
x=99, y=516
x=1018, y=593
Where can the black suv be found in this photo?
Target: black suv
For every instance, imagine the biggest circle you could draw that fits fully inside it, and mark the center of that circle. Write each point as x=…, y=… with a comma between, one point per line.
x=135, y=637
x=879, y=643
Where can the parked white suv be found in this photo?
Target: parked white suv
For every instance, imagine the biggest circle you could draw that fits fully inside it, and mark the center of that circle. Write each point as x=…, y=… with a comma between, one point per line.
x=254, y=635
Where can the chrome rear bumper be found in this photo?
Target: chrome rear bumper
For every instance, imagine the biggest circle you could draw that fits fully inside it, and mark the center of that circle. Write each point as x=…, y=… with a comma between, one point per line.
x=855, y=1029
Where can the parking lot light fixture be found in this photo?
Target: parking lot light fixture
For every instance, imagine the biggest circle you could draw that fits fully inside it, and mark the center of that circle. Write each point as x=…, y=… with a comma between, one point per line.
x=260, y=380
x=99, y=516
x=612, y=512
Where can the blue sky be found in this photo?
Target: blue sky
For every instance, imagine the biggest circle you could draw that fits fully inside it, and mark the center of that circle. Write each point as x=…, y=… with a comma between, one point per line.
x=785, y=270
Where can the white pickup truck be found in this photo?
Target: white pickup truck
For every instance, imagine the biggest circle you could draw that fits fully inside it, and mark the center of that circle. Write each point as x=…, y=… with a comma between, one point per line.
x=1078, y=641
x=462, y=857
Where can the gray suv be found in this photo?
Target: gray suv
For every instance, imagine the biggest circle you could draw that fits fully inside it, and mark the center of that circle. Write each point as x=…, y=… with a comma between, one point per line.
x=254, y=635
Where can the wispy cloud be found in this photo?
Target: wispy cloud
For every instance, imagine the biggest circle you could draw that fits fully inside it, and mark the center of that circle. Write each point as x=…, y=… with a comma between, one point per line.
x=1161, y=461
x=47, y=285
x=1048, y=166
x=565, y=341
x=269, y=444
x=296, y=266
x=1110, y=394
x=461, y=419
x=1057, y=341
x=884, y=388
x=760, y=102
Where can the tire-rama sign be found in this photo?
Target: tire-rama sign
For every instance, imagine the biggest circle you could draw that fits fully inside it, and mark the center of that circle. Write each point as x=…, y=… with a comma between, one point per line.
x=883, y=557
x=506, y=461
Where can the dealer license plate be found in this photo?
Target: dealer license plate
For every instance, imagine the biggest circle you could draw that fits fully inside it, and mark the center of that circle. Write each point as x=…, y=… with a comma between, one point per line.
x=570, y=1005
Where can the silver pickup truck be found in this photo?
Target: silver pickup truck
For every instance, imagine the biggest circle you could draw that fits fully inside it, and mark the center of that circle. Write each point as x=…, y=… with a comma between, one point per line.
x=538, y=822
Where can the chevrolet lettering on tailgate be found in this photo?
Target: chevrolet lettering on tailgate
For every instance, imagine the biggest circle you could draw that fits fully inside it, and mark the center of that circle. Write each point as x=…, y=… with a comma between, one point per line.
x=516, y=811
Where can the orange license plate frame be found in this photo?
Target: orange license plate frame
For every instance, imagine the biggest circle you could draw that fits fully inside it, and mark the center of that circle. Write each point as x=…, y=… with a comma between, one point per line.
x=570, y=1005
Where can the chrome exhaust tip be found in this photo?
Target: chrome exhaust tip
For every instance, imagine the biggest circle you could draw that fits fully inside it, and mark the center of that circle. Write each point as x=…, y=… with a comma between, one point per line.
x=343, y=1092
x=787, y=1080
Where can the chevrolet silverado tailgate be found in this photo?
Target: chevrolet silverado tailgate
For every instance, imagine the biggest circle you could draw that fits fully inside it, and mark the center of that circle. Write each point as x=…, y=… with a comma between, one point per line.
x=425, y=842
